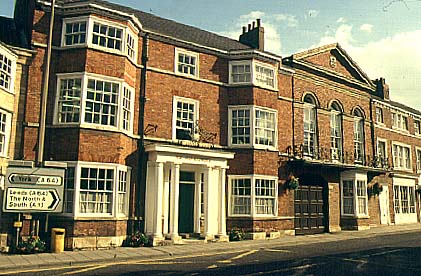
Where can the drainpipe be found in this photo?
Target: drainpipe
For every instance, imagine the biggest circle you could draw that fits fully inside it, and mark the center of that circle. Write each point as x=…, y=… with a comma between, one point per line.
x=373, y=142
x=141, y=174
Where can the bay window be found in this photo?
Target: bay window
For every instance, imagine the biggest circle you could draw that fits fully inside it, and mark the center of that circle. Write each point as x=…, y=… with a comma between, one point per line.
x=252, y=126
x=5, y=122
x=96, y=190
x=354, y=198
x=404, y=199
x=252, y=72
x=7, y=69
x=253, y=195
x=91, y=100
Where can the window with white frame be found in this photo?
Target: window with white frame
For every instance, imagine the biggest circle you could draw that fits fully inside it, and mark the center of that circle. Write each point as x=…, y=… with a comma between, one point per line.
x=418, y=159
x=399, y=121
x=5, y=120
x=310, y=126
x=336, y=132
x=185, y=117
x=90, y=190
x=401, y=157
x=354, y=197
x=100, y=34
x=358, y=137
x=186, y=63
x=379, y=115
x=252, y=126
x=75, y=33
x=252, y=72
x=253, y=195
x=7, y=64
x=404, y=199
x=92, y=100
x=381, y=153
x=417, y=129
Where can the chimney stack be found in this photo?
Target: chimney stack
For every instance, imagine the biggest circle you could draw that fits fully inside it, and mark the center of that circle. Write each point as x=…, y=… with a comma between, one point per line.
x=382, y=89
x=253, y=35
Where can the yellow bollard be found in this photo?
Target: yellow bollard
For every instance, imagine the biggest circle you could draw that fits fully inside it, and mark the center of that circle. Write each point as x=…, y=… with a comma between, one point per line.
x=57, y=240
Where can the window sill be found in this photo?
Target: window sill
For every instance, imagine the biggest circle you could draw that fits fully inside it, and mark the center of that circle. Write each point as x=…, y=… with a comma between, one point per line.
x=93, y=127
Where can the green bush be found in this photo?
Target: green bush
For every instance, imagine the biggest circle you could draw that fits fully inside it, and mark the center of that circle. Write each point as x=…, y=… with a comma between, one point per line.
x=137, y=239
x=31, y=245
x=237, y=234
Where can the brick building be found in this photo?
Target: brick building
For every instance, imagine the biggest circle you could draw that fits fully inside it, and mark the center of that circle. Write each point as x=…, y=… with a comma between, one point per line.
x=169, y=129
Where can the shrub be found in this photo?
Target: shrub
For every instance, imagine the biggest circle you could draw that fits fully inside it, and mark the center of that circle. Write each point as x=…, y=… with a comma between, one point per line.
x=237, y=234
x=137, y=239
x=31, y=245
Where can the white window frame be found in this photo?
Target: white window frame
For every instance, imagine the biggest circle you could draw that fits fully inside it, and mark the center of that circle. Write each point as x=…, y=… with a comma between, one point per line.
x=253, y=126
x=356, y=178
x=253, y=196
x=253, y=73
x=312, y=150
x=76, y=210
x=336, y=127
x=380, y=140
x=83, y=99
x=90, y=21
x=398, y=194
x=399, y=121
x=5, y=132
x=179, y=51
x=379, y=115
x=417, y=127
x=177, y=99
x=418, y=156
x=400, y=160
x=359, y=140
x=4, y=74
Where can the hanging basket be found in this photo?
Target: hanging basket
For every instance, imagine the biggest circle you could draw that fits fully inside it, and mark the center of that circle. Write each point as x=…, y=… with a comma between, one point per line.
x=292, y=183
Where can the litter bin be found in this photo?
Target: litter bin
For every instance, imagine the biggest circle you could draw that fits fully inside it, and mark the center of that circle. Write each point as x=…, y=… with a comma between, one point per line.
x=57, y=240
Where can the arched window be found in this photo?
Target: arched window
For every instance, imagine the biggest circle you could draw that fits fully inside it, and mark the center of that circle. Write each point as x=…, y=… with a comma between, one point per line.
x=358, y=136
x=336, y=131
x=310, y=126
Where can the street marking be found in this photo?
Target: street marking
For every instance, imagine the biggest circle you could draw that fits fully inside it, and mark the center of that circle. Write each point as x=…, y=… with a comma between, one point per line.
x=278, y=250
x=95, y=267
x=212, y=266
x=227, y=261
x=281, y=270
x=383, y=253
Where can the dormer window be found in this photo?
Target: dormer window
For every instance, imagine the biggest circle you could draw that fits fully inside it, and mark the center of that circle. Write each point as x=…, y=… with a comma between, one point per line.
x=252, y=72
x=186, y=63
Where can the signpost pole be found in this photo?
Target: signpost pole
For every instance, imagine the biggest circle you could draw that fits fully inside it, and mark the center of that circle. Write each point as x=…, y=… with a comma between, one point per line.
x=17, y=233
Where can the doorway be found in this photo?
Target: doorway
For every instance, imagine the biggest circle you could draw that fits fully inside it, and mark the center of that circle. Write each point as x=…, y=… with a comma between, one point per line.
x=384, y=206
x=186, y=202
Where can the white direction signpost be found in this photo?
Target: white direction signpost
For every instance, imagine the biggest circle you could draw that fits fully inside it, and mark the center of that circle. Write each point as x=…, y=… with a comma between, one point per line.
x=33, y=190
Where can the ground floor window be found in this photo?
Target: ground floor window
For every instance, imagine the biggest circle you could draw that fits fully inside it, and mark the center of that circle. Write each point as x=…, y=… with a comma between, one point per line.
x=404, y=199
x=354, y=194
x=93, y=189
x=253, y=195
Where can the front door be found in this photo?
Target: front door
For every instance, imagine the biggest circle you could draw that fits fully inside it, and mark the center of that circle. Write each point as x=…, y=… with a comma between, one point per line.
x=310, y=206
x=384, y=206
x=186, y=202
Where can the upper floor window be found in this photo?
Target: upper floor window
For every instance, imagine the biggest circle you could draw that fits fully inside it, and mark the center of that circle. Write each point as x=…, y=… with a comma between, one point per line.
x=401, y=156
x=358, y=136
x=417, y=129
x=75, y=33
x=252, y=126
x=88, y=99
x=399, y=121
x=186, y=63
x=336, y=132
x=381, y=153
x=379, y=115
x=252, y=72
x=5, y=120
x=99, y=33
x=253, y=195
x=185, y=117
x=418, y=159
x=7, y=64
x=354, y=194
x=93, y=186
x=310, y=126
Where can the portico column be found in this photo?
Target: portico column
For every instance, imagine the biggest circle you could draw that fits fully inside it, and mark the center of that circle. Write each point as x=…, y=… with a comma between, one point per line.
x=222, y=229
x=207, y=201
x=174, y=198
x=157, y=231
x=166, y=200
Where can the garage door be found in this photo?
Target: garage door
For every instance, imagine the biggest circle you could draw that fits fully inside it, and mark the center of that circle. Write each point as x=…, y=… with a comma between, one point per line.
x=310, y=217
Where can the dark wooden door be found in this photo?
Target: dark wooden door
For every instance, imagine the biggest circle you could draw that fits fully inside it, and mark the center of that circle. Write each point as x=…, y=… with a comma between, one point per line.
x=310, y=214
x=186, y=209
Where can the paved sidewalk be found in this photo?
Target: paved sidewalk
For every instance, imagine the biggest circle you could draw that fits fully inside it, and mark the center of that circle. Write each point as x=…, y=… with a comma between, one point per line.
x=121, y=254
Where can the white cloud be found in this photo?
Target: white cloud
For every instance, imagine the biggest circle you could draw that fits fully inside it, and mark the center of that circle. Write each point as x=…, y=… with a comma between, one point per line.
x=396, y=58
x=271, y=24
x=368, y=28
x=341, y=20
x=313, y=13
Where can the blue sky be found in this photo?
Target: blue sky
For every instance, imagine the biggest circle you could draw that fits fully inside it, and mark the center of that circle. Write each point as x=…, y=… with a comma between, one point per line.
x=382, y=36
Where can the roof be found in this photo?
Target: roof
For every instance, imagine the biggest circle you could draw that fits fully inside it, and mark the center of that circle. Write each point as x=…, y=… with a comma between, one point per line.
x=171, y=28
x=9, y=33
x=405, y=107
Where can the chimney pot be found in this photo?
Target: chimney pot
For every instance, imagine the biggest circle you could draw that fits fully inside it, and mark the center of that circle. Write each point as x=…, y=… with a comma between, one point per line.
x=249, y=27
x=254, y=24
x=258, y=22
x=244, y=29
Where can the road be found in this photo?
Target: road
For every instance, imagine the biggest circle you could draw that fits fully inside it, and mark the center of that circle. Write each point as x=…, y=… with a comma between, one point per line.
x=394, y=254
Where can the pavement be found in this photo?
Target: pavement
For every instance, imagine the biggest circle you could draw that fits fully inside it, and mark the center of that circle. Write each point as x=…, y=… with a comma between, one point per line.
x=12, y=262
